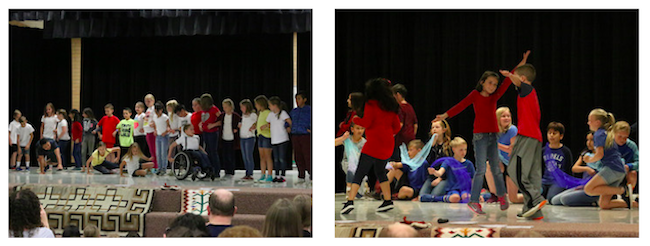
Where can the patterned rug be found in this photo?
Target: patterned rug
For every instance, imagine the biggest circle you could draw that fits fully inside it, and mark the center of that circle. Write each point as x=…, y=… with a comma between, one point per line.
x=445, y=232
x=196, y=201
x=112, y=209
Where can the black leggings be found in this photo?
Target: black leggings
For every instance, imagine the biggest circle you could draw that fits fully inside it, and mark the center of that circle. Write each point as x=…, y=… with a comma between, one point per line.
x=367, y=162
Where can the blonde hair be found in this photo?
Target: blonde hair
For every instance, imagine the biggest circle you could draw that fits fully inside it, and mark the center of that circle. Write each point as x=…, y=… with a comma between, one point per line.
x=91, y=231
x=622, y=126
x=229, y=102
x=171, y=103
x=240, y=231
x=150, y=96
x=417, y=143
x=282, y=220
x=303, y=205
x=607, y=119
x=457, y=141
x=500, y=112
x=129, y=153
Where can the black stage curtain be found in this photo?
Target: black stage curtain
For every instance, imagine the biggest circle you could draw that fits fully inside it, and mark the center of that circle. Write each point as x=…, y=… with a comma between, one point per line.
x=123, y=70
x=304, y=63
x=147, y=23
x=584, y=60
x=39, y=72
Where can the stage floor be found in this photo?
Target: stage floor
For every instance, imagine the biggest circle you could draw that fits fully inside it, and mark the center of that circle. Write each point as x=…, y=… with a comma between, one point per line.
x=364, y=210
x=79, y=178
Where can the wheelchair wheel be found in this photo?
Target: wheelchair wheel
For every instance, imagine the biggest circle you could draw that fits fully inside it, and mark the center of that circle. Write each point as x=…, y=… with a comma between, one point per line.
x=182, y=165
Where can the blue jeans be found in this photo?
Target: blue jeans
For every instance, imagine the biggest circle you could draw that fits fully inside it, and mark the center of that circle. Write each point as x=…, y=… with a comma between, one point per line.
x=438, y=190
x=63, y=148
x=76, y=154
x=229, y=156
x=202, y=157
x=212, y=147
x=280, y=158
x=550, y=191
x=574, y=198
x=247, y=147
x=106, y=167
x=485, y=148
x=162, y=149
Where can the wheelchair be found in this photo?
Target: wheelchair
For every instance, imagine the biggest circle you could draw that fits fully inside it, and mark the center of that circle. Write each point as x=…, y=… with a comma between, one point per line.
x=186, y=164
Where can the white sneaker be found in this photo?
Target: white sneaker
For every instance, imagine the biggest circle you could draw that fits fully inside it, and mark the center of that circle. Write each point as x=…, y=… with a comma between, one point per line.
x=300, y=181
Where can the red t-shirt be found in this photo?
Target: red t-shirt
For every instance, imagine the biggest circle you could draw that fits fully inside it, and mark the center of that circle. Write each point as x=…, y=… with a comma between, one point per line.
x=209, y=117
x=408, y=118
x=529, y=115
x=108, y=125
x=196, y=119
x=77, y=131
x=381, y=127
x=485, y=117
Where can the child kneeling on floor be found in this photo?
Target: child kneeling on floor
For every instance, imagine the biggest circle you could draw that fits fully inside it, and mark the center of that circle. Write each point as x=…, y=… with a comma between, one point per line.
x=98, y=159
x=459, y=177
x=133, y=159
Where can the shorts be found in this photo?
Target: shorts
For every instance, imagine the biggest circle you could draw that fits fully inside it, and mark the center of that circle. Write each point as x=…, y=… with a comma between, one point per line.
x=14, y=147
x=264, y=142
x=25, y=151
x=611, y=177
x=139, y=168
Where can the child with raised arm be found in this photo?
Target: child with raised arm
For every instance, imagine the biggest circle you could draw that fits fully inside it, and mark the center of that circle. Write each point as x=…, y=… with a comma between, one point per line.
x=77, y=137
x=247, y=137
x=607, y=181
x=190, y=142
x=160, y=124
x=24, y=138
x=556, y=156
x=125, y=130
x=353, y=146
x=460, y=171
x=62, y=134
x=301, y=136
x=264, y=139
x=90, y=135
x=229, y=136
x=382, y=123
x=134, y=162
x=12, y=137
x=484, y=99
x=279, y=136
x=525, y=163
x=99, y=161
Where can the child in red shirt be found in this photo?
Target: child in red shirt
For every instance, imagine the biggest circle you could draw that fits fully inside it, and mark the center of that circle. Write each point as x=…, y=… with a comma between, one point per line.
x=210, y=126
x=108, y=123
x=77, y=133
x=382, y=123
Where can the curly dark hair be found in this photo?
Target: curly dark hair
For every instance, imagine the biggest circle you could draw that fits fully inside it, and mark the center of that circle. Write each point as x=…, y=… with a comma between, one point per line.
x=379, y=89
x=191, y=222
x=24, y=212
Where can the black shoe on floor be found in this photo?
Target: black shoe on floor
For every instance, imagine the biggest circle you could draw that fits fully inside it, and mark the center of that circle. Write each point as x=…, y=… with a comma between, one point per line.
x=626, y=195
x=385, y=206
x=347, y=207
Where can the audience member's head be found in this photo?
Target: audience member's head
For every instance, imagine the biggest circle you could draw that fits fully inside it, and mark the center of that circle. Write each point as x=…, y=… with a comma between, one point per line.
x=303, y=205
x=398, y=230
x=113, y=235
x=222, y=203
x=282, y=220
x=132, y=234
x=187, y=225
x=24, y=212
x=91, y=231
x=71, y=231
x=241, y=231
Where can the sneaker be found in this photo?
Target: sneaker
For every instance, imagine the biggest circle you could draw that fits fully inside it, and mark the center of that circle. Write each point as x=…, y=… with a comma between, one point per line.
x=18, y=169
x=534, y=217
x=533, y=210
x=385, y=206
x=76, y=169
x=261, y=178
x=281, y=180
x=476, y=208
x=169, y=172
x=504, y=204
x=627, y=194
x=347, y=207
x=154, y=171
x=493, y=199
x=275, y=180
x=268, y=179
x=300, y=181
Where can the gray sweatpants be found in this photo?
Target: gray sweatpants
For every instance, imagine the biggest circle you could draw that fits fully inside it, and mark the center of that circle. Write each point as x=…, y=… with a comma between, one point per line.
x=525, y=169
x=87, y=147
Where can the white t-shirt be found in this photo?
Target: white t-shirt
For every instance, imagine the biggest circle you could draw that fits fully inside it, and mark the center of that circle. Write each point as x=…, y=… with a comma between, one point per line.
x=228, y=134
x=140, y=121
x=132, y=164
x=149, y=116
x=38, y=232
x=12, y=128
x=179, y=122
x=192, y=142
x=49, y=125
x=278, y=132
x=24, y=132
x=59, y=130
x=247, y=122
x=161, y=123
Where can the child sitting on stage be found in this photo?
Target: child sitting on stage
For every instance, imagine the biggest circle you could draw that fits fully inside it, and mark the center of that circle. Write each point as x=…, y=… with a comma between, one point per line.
x=406, y=180
x=132, y=160
x=459, y=172
x=98, y=159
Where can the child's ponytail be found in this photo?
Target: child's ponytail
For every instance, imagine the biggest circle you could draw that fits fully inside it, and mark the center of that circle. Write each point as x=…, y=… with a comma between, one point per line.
x=609, y=126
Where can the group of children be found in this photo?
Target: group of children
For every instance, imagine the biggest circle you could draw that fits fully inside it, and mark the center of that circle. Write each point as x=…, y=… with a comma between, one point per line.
x=438, y=171
x=149, y=141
